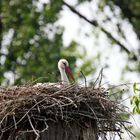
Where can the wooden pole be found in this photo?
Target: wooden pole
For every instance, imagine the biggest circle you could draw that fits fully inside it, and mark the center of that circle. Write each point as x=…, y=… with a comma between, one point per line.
x=59, y=131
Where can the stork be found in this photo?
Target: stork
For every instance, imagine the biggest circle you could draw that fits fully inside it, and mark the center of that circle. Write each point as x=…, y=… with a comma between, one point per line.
x=64, y=69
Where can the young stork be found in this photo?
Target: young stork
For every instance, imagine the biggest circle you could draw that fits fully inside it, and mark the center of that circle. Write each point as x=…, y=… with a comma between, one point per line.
x=64, y=69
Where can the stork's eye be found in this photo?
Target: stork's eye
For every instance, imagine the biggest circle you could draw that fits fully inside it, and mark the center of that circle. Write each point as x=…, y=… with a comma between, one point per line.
x=64, y=63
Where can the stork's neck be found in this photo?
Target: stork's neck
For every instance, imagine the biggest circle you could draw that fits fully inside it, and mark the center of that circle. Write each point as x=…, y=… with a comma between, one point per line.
x=64, y=77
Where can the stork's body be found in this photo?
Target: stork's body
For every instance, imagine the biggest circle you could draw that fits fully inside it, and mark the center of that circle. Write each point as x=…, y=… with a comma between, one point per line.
x=64, y=77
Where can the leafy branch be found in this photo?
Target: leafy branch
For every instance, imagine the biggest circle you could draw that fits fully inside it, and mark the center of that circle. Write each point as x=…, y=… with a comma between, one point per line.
x=135, y=100
x=96, y=24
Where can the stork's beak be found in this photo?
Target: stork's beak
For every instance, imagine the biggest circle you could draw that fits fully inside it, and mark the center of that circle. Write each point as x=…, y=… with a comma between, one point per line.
x=68, y=71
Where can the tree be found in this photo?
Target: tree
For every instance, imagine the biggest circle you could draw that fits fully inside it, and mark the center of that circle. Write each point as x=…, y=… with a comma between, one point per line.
x=34, y=34
x=35, y=44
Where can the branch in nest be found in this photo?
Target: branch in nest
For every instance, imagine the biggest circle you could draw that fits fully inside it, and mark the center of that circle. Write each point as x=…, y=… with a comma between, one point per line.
x=34, y=130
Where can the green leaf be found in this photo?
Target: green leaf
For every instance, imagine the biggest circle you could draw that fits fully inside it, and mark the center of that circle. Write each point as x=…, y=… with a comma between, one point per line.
x=134, y=98
x=138, y=110
x=135, y=110
x=138, y=89
x=135, y=87
x=131, y=101
x=137, y=102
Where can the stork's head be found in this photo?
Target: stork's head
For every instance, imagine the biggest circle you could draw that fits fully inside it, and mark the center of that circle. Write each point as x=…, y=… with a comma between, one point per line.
x=63, y=65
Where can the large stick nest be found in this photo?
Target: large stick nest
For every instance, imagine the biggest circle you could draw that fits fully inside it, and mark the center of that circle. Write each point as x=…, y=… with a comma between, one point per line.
x=43, y=103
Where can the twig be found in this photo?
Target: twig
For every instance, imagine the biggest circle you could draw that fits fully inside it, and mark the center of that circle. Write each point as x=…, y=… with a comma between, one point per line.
x=46, y=128
x=35, y=131
x=37, y=106
x=14, y=121
x=84, y=78
x=99, y=78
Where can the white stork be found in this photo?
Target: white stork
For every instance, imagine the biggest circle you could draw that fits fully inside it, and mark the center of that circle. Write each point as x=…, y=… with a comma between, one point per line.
x=64, y=69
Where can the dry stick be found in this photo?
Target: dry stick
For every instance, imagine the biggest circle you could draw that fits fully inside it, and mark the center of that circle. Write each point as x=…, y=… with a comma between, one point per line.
x=60, y=106
x=101, y=76
x=98, y=78
x=37, y=106
x=70, y=100
x=120, y=102
x=6, y=116
x=33, y=128
x=93, y=111
x=25, y=113
x=84, y=78
x=120, y=91
x=34, y=81
x=128, y=131
x=63, y=89
x=45, y=128
x=1, y=135
x=120, y=85
x=68, y=104
x=14, y=121
x=56, y=93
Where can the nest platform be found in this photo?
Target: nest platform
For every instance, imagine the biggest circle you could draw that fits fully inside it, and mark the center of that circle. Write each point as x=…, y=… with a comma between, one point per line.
x=31, y=108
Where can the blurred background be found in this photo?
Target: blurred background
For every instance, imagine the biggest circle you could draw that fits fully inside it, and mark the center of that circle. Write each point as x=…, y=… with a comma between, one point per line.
x=92, y=34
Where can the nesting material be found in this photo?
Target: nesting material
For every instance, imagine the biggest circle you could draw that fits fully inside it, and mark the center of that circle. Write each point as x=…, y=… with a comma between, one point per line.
x=38, y=104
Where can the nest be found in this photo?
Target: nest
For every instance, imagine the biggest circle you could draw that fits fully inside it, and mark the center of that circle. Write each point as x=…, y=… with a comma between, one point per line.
x=43, y=103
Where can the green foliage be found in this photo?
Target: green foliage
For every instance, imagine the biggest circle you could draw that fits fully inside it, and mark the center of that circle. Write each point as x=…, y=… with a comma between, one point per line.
x=51, y=10
x=87, y=67
x=36, y=43
x=32, y=52
x=135, y=100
